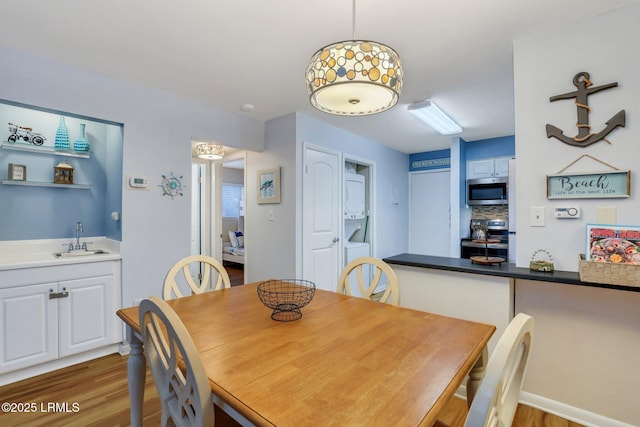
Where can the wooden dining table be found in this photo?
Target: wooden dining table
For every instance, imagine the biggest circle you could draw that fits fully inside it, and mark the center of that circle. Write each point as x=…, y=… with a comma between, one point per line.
x=347, y=362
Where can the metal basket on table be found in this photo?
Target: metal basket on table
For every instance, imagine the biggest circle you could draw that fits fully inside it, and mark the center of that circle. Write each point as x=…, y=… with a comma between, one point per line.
x=286, y=297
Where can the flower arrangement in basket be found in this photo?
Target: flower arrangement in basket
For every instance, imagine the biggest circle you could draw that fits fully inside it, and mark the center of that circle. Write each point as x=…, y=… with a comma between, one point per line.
x=541, y=260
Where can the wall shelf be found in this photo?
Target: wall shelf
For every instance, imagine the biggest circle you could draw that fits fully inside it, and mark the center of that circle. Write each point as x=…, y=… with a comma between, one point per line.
x=42, y=149
x=46, y=184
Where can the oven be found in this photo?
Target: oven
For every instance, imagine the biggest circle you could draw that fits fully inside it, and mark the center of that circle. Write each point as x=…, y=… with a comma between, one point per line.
x=496, y=229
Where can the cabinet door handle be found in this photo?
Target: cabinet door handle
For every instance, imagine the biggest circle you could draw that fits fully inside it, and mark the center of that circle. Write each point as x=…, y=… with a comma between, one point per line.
x=54, y=295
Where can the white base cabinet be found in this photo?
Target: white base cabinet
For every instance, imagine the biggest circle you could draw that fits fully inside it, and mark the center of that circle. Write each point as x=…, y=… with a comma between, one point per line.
x=29, y=326
x=71, y=314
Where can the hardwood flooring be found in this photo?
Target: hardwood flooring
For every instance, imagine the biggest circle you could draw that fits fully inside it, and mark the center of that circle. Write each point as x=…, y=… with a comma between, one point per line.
x=235, y=272
x=95, y=394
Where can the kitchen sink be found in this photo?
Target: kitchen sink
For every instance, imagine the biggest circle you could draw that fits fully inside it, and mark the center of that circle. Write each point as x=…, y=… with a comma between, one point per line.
x=79, y=253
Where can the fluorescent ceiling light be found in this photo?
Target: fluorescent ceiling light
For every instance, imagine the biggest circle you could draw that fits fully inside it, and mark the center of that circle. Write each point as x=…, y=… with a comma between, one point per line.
x=429, y=113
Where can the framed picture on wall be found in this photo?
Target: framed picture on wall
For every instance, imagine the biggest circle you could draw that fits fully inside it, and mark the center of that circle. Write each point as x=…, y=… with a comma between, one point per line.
x=269, y=185
x=17, y=172
x=613, y=243
x=589, y=185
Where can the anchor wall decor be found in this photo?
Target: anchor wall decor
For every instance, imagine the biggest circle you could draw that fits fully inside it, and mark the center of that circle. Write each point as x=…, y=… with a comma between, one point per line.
x=585, y=136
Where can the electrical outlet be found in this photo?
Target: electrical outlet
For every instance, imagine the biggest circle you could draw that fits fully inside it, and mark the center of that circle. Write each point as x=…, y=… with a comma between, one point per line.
x=607, y=215
x=537, y=217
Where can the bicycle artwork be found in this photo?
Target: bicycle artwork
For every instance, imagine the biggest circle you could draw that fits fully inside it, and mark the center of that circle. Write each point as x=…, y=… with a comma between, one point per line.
x=26, y=134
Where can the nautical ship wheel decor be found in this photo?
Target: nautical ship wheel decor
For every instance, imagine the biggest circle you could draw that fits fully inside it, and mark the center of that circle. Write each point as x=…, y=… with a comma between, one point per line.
x=172, y=185
x=585, y=135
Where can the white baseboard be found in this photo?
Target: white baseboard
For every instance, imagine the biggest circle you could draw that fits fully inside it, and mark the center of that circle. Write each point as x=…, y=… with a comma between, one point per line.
x=568, y=412
x=124, y=348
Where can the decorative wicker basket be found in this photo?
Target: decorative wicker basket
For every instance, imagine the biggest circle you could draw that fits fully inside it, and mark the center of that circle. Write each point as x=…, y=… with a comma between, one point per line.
x=286, y=297
x=609, y=273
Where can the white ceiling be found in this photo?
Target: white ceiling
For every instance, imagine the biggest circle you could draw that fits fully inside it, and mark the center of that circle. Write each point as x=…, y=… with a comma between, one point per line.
x=228, y=53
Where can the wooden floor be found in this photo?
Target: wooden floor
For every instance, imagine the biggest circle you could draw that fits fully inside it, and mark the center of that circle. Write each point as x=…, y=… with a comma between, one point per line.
x=235, y=272
x=95, y=394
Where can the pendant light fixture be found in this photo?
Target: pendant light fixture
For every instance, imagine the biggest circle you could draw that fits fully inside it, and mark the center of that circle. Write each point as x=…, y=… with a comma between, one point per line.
x=209, y=151
x=355, y=77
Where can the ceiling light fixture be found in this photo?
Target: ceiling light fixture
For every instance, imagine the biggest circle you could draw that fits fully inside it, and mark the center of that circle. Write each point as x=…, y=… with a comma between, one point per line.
x=431, y=114
x=209, y=151
x=354, y=78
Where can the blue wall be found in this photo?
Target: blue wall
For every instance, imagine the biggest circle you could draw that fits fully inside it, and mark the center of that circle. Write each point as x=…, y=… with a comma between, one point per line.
x=492, y=147
x=29, y=212
x=474, y=150
x=430, y=160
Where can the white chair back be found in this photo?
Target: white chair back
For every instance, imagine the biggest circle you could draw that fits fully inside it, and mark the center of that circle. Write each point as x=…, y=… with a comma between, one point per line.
x=367, y=289
x=497, y=398
x=185, y=393
x=181, y=272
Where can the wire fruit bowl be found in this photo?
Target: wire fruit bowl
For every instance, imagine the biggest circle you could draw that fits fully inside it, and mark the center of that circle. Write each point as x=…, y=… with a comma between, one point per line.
x=286, y=297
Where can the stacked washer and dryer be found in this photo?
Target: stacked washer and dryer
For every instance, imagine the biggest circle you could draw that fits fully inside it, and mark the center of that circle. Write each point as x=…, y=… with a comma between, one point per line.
x=355, y=218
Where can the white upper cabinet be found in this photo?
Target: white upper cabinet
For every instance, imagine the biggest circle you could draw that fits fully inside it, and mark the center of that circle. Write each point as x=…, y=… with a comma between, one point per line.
x=488, y=168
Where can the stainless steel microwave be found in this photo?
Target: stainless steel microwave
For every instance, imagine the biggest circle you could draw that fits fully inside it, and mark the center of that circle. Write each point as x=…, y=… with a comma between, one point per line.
x=487, y=191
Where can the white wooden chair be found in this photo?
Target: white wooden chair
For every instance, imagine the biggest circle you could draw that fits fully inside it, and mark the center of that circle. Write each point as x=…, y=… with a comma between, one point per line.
x=182, y=270
x=390, y=295
x=496, y=400
x=185, y=393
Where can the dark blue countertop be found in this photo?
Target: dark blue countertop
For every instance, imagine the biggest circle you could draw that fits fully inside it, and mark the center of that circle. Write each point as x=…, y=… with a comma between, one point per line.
x=501, y=270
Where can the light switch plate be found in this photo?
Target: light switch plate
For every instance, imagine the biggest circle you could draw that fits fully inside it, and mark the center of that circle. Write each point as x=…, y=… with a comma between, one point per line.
x=537, y=217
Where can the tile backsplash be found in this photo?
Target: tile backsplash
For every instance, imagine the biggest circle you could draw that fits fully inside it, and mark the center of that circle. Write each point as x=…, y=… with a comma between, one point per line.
x=490, y=212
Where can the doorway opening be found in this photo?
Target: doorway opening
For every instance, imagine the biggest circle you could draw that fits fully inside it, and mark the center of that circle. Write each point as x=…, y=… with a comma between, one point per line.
x=230, y=214
x=217, y=208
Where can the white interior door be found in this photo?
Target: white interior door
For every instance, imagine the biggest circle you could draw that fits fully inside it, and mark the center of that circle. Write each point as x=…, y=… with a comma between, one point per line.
x=321, y=218
x=430, y=222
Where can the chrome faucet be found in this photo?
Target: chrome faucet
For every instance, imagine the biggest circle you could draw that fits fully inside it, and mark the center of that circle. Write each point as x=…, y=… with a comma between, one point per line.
x=79, y=229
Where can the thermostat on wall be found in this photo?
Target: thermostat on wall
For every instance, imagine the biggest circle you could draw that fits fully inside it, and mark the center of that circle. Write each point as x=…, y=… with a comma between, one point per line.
x=138, y=182
x=570, y=212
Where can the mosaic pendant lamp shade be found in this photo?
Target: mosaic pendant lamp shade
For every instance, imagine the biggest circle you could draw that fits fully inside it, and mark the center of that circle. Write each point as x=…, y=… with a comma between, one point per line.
x=355, y=77
x=209, y=151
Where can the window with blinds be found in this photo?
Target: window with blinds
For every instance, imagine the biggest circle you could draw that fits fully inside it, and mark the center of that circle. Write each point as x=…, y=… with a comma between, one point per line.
x=232, y=194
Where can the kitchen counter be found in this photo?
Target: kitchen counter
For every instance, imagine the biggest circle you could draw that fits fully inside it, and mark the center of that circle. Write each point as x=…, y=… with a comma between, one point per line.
x=584, y=331
x=502, y=270
x=19, y=254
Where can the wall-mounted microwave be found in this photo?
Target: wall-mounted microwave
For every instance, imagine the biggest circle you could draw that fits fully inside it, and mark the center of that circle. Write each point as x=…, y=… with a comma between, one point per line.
x=487, y=191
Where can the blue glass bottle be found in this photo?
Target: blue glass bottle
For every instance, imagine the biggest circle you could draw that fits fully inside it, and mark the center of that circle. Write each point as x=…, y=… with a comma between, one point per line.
x=62, y=136
x=81, y=143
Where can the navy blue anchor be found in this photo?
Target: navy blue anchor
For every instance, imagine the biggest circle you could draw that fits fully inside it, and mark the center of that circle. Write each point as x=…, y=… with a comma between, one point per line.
x=585, y=137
